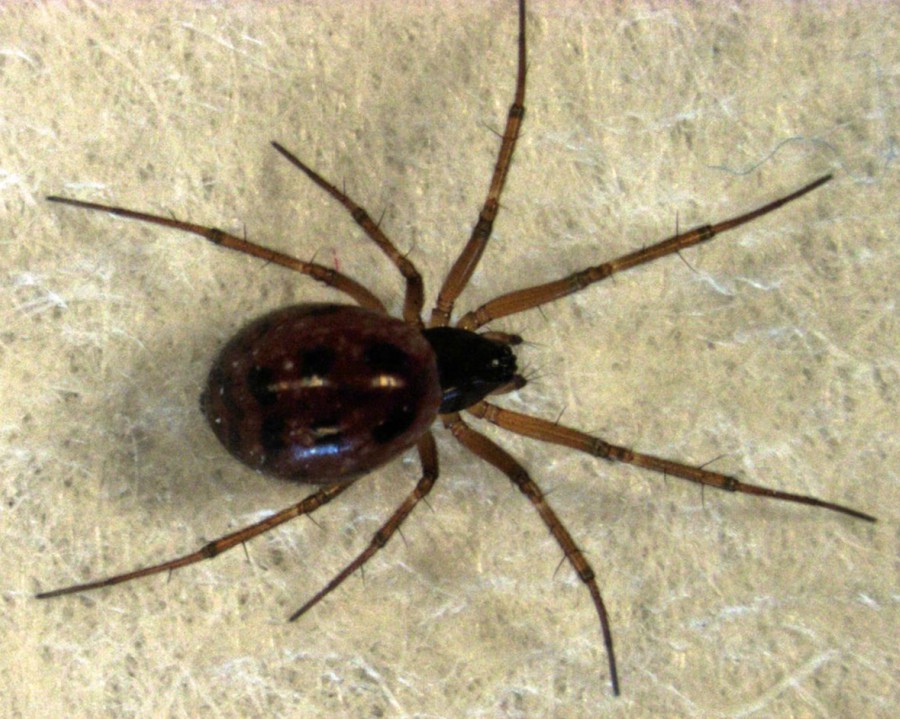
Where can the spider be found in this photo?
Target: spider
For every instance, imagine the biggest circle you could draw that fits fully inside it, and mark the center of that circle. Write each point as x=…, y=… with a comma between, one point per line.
x=323, y=393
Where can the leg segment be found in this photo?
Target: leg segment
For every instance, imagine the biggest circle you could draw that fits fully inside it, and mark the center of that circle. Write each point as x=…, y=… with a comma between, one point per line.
x=415, y=293
x=465, y=264
x=493, y=454
x=326, y=276
x=553, y=433
x=309, y=505
x=428, y=457
x=531, y=297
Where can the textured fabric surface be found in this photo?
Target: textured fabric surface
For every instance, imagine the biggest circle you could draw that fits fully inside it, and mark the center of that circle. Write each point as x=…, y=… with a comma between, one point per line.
x=770, y=352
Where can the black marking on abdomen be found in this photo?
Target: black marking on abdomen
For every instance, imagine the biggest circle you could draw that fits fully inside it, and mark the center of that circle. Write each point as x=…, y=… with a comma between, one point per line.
x=395, y=425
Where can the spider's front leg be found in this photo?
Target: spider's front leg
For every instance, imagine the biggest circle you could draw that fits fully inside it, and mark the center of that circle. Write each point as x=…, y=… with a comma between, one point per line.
x=512, y=303
x=546, y=431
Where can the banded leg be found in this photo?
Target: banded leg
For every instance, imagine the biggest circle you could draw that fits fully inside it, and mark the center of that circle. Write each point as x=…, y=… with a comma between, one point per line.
x=309, y=505
x=415, y=293
x=553, y=433
x=495, y=455
x=322, y=274
x=465, y=264
x=530, y=297
x=429, y=459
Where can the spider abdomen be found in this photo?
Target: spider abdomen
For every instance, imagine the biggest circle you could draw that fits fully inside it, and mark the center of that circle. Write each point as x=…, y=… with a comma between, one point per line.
x=322, y=392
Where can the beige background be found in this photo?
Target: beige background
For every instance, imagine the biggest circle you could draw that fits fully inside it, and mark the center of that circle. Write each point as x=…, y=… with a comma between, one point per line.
x=773, y=349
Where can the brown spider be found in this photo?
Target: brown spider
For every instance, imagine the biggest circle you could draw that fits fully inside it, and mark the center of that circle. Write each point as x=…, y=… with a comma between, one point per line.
x=323, y=393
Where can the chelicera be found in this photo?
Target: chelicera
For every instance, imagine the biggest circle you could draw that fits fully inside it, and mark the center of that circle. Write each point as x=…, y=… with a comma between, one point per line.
x=323, y=393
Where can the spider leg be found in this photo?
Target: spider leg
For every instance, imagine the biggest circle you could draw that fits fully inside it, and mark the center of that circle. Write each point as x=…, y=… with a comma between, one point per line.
x=517, y=383
x=505, y=337
x=495, y=455
x=322, y=274
x=429, y=459
x=216, y=547
x=531, y=297
x=554, y=433
x=415, y=293
x=465, y=264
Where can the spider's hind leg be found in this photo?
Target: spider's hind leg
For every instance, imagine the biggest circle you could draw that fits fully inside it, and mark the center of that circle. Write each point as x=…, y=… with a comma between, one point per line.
x=327, y=276
x=214, y=548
